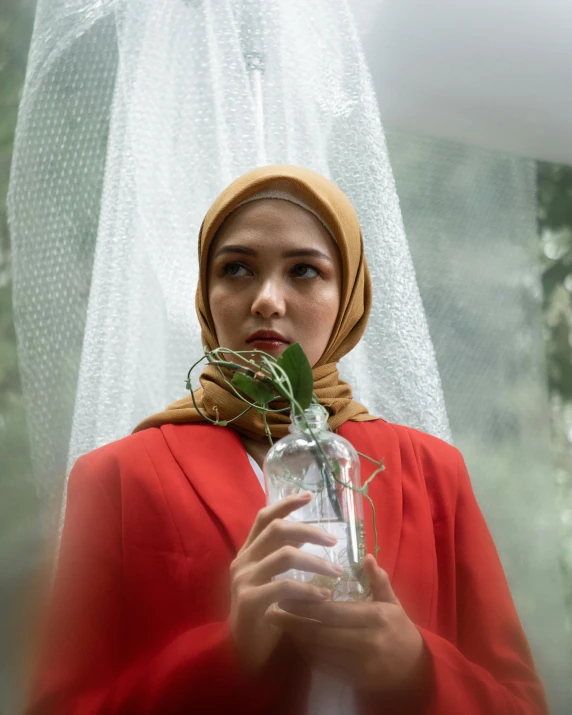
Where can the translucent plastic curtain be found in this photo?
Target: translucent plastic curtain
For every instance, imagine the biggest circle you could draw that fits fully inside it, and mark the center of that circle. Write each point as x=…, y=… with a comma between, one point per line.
x=470, y=217
x=196, y=94
x=53, y=211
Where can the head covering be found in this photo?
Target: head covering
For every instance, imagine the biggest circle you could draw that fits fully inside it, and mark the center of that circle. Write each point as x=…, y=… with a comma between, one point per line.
x=324, y=199
x=287, y=196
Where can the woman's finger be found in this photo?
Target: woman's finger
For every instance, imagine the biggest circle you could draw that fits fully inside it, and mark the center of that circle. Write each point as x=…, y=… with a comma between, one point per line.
x=341, y=614
x=379, y=581
x=281, y=532
x=290, y=557
x=260, y=598
x=278, y=510
x=311, y=632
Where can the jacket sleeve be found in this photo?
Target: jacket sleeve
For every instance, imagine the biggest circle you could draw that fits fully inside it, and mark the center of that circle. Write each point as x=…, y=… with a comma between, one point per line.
x=82, y=669
x=489, y=670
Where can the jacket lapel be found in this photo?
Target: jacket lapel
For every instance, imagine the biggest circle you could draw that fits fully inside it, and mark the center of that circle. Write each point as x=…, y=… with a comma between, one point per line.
x=215, y=462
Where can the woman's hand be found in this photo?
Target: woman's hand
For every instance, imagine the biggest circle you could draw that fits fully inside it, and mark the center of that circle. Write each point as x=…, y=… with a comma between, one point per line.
x=272, y=548
x=371, y=645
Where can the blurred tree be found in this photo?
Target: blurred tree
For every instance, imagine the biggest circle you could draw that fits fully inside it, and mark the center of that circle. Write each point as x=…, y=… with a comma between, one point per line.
x=16, y=20
x=18, y=520
x=555, y=231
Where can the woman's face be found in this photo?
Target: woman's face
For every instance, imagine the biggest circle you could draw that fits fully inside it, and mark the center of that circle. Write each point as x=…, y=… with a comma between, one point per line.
x=274, y=267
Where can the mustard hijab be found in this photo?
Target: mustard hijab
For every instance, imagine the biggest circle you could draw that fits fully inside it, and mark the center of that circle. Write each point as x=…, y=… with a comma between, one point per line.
x=331, y=204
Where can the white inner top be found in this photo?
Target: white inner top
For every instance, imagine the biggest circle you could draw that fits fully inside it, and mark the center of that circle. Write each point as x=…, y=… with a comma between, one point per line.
x=327, y=695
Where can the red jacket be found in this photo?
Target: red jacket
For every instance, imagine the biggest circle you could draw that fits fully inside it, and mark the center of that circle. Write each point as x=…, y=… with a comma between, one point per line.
x=138, y=621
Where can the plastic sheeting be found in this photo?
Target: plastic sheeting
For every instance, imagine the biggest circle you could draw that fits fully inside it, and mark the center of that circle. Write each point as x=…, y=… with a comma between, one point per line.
x=202, y=92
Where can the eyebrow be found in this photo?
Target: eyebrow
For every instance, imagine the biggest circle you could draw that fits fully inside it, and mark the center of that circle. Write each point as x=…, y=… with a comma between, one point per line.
x=307, y=252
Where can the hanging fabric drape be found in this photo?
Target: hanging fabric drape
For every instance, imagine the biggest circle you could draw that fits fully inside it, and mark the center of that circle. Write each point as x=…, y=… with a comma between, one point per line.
x=186, y=118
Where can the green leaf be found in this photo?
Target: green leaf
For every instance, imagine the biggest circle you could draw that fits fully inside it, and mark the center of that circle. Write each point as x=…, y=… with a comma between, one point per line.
x=296, y=365
x=253, y=388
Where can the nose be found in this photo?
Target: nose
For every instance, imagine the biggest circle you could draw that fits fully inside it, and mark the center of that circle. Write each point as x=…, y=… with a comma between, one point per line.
x=269, y=301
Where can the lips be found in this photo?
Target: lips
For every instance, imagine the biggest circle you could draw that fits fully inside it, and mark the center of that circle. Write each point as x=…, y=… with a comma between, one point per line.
x=268, y=346
x=267, y=341
x=267, y=336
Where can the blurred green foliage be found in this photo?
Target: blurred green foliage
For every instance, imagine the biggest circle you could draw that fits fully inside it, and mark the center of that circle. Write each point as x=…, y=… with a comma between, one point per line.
x=555, y=231
x=16, y=21
x=18, y=508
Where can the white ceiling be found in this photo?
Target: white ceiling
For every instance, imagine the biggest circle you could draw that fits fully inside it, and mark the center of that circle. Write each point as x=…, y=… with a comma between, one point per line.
x=496, y=73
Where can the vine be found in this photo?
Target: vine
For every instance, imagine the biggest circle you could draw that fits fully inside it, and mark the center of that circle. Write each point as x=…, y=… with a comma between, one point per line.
x=288, y=377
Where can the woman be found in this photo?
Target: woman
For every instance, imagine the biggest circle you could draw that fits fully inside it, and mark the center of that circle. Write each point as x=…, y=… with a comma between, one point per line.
x=164, y=599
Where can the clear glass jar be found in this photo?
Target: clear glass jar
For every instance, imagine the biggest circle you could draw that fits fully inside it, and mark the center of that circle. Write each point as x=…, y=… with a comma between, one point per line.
x=327, y=466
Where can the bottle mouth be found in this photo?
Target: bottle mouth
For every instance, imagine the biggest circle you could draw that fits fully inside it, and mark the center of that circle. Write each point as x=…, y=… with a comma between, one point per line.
x=315, y=418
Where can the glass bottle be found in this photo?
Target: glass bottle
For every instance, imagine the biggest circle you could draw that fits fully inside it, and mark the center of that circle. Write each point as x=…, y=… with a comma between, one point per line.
x=327, y=465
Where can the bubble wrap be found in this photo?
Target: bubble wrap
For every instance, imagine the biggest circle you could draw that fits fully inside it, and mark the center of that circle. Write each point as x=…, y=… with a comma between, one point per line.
x=53, y=210
x=135, y=116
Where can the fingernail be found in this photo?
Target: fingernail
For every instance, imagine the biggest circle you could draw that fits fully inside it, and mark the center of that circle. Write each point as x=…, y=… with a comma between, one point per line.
x=338, y=569
x=325, y=592
x=332, y=539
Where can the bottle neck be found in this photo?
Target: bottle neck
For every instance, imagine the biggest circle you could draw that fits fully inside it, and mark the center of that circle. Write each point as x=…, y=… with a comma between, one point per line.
x=315, y=418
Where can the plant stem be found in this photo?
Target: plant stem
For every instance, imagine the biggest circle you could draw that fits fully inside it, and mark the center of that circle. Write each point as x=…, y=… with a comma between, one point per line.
x=279, y=381
x=326, y=476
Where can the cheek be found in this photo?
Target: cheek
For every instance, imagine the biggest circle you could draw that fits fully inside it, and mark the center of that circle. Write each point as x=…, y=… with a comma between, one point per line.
x=225, y=308
x=315, y=318
x=321, y=309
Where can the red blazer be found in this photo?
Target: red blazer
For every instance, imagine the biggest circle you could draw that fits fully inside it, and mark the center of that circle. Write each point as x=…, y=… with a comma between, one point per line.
x=138, y=621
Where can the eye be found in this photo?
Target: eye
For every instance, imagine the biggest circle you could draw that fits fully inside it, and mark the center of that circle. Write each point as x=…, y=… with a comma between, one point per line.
x=301, y=271
x=231, y=269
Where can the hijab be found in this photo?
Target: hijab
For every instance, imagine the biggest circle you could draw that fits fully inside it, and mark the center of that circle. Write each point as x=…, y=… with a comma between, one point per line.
x=325, y=200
